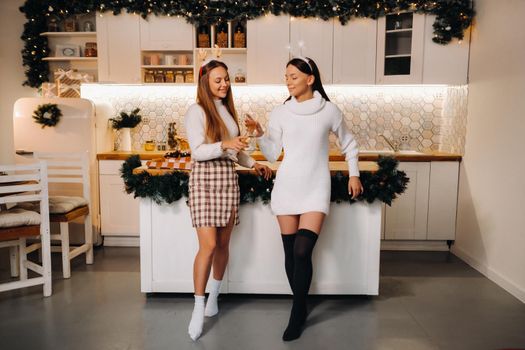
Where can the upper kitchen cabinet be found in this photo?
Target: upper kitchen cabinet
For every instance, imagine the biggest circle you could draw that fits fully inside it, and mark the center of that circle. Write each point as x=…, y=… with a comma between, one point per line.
x=267, y=39
x=166, y=33
x=314, y=38
x=445, y=64
x=118, y=48
x=400, y=43
x=355, y=52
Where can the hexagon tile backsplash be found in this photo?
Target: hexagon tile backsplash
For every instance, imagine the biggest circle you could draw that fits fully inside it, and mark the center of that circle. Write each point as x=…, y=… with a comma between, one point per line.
x=423, y=117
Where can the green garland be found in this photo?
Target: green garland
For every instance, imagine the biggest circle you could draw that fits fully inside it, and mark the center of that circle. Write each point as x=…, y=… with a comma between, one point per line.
x=385, y=184
x=453, y=17
x=125, y=120
x=47, y=115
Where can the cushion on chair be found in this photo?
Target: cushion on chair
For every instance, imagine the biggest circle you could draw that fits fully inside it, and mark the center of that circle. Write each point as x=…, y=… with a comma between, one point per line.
x=63, y=204
x=18, y=217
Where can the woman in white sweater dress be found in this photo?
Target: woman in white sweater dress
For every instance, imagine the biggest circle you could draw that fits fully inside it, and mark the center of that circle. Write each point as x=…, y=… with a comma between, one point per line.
x=301, y=192
x=212, y=129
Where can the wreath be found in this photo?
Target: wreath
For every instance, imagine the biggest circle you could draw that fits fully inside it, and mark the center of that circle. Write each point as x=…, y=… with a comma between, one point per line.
x=47, y=115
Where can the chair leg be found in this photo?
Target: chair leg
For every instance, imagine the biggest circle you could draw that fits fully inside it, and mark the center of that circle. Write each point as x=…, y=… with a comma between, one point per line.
x=64, y=238
x=88, y=229
x=23, y=258
x=13, y=257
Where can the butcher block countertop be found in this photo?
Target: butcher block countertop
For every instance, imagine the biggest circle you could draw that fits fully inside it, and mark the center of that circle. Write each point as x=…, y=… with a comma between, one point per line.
x=335, y=156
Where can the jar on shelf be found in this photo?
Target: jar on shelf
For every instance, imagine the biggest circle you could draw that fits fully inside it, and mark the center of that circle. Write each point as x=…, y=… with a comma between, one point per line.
x=169, y=77
x=221, y=38
x=149, y=145
x=149, y=77
x=188, y=76
x=179, y=76
x=203, y=38
x=240, y=77
x=239, y=37
x=159, y=77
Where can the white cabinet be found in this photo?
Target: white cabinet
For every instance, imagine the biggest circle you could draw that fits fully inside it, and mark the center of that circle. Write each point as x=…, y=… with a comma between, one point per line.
x=166, y=33
x=400, y=43
x=314, y=39
x=444, y=64
x=119, y=211
x=427, y=209
x=355, y=52
x=267, y=38
x=407, y=217
x=442, y=203
x=118, y=48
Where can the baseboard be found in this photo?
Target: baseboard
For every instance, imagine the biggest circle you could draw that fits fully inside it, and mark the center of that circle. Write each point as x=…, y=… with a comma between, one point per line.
x=415, y=245
x=491, y=274
x=121, y=241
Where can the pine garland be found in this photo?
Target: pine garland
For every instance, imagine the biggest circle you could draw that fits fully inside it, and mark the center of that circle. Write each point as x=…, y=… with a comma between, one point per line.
x=385, y=184
x=453, y=17
x=47, y=115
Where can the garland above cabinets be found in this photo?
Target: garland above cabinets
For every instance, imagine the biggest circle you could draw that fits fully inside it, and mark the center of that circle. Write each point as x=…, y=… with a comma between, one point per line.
x=452, y=17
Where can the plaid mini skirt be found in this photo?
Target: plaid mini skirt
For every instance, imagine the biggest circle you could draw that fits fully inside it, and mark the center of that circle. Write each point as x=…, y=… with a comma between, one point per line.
x=213, y=193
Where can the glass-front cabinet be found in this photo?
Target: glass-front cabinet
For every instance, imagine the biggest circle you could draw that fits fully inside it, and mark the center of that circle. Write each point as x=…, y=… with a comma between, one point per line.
x=400, y=45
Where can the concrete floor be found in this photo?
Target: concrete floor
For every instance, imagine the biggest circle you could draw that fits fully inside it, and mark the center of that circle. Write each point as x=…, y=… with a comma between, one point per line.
x=428, y=300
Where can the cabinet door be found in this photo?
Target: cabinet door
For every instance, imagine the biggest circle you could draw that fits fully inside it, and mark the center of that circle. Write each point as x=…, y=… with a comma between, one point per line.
x=118, y=48
x=165, y=33
x=407, y=217
x=400, y=43
x=442, y=202
x=355, y=52
x=314, y=38
x=445, y=64
x=267, y=38
x=119, y=211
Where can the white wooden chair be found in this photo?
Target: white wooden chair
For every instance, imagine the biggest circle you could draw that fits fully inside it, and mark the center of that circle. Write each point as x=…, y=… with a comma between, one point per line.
x=64, y=169
x=20, y=184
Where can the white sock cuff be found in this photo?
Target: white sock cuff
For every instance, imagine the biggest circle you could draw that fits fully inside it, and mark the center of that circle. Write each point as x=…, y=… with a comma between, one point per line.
x=199, y=299
x=215, y=285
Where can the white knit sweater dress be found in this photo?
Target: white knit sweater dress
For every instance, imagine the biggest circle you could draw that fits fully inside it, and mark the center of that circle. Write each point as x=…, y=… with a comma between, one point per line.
x=302, y=183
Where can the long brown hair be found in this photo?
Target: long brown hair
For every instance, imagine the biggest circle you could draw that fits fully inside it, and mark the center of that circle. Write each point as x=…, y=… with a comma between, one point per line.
x=215, y=128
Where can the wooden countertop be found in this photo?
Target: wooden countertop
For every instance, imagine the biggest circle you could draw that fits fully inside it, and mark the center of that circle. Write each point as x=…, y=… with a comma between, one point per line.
x=335, y=156
x=334, y=167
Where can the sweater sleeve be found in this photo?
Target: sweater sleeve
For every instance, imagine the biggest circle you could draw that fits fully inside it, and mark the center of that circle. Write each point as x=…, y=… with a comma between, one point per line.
x=348, y=144
x=245, y=160
x=194, y=122
x=271, y=143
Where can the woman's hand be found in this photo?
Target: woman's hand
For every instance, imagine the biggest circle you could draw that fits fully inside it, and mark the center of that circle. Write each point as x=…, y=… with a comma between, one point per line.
x=354, y=187
x=237, y=143
x=252, y=125
x=263, y=170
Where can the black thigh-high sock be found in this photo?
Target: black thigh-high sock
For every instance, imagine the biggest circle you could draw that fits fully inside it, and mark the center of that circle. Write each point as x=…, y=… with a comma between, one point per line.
x=288, y=244
x=302, y=277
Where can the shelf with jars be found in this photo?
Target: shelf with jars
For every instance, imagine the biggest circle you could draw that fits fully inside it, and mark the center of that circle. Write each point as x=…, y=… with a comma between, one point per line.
x=227, y=42
x=175, y=66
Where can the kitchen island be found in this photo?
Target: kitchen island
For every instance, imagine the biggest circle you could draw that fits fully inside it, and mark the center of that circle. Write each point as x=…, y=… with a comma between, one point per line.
x=346, y=257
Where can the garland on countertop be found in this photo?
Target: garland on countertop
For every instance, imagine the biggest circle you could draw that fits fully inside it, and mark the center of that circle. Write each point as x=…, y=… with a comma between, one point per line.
x=385, y=184
x=452, y=17
x=47, y=115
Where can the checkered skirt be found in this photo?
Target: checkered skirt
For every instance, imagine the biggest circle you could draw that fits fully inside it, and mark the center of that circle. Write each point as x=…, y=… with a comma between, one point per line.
x=213, y=193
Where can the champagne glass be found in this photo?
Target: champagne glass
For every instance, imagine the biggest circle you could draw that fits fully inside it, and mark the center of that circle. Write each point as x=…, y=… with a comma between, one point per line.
x=249, y=136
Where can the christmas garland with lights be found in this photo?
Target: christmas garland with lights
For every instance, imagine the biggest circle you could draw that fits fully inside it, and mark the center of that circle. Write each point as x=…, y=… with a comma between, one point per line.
x=47, y=115
x=452, y=17
x=385, y=184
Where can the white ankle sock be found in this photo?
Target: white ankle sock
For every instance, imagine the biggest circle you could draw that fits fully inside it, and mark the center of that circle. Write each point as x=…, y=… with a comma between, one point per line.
x=212, y=308
x=197, y=318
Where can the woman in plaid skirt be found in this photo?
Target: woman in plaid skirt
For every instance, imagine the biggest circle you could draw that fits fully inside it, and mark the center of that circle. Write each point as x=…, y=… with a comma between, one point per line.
x=212, y=129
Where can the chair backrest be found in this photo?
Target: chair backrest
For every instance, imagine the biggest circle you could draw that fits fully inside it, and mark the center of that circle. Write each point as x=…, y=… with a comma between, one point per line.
x=68, y=168
x=25, y=183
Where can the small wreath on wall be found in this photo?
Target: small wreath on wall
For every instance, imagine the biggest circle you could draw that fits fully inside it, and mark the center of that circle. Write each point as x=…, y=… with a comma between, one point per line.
x=47, y=115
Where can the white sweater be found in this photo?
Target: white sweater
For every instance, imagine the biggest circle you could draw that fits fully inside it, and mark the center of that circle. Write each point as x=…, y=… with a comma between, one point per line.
x=195, y=124
x=303, y=180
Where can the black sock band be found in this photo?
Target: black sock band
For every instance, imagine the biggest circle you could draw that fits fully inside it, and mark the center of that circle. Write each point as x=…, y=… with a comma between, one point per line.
x=288, y=244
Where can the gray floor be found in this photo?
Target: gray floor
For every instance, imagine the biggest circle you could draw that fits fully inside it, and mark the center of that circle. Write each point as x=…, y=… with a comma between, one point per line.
x=429, y=300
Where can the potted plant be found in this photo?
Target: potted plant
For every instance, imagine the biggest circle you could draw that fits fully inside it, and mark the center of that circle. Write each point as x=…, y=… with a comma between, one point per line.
x=124, y=123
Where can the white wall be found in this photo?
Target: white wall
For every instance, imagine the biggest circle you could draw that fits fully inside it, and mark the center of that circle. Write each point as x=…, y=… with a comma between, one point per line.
x=491, y=209
x=11, y=73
